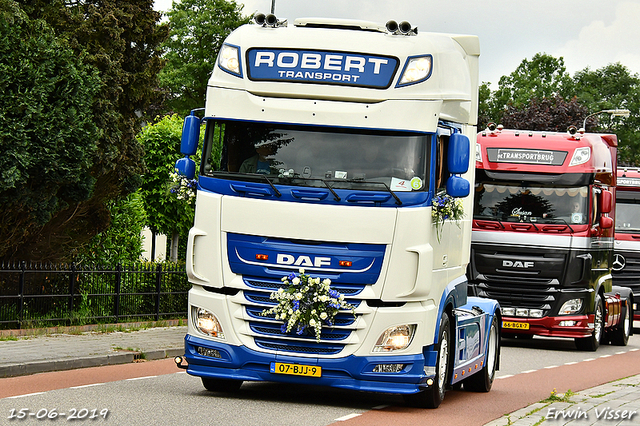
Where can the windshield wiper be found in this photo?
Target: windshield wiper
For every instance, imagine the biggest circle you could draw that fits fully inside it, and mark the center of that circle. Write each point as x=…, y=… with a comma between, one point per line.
x=250, y=175
x=393, y=194
x=566, y=223
x=334, y=193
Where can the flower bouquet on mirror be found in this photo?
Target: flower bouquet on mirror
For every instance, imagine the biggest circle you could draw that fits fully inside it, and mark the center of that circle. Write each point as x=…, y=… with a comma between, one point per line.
x=181, y=187
x=445, y=207
x=306, y=303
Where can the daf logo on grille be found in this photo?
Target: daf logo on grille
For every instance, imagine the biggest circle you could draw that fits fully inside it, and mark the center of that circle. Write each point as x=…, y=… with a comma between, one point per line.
x=288, y=259
x=619, y=262
x=517, y=264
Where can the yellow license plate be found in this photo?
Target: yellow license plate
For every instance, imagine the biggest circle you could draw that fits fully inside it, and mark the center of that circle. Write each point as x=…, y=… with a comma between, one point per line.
x=296, y=369
x=515, y=325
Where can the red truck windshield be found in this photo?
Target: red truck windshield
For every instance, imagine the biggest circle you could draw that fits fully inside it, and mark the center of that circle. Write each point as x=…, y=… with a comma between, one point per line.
x=515, y=202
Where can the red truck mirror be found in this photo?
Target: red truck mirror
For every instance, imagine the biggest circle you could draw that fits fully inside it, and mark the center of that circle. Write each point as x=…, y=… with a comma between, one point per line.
x=607, y=201
x=606, y=222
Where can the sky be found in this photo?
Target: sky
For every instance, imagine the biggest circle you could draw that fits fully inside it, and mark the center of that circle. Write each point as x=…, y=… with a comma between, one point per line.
x=586, y=33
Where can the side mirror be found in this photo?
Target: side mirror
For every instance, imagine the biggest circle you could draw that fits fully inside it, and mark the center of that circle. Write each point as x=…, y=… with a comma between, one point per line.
x=458, y=153
x=607, y=201
x=458, y=187
x=190, y=135
x=606, y=222
x=186, y=167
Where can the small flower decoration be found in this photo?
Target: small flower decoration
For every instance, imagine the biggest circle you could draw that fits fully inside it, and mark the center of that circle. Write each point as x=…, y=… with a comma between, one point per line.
x=306, y=303
x=445, y=207
x=181, y=187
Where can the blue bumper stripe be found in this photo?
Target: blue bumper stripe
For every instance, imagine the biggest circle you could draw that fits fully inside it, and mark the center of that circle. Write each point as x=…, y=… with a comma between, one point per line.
x=352, y=372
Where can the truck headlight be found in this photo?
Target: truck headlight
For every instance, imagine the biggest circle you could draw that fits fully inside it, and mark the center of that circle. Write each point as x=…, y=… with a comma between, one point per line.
x=207, y=323
x=416, y=70
x=229, y=59
x=395, y=338
x=570, y=307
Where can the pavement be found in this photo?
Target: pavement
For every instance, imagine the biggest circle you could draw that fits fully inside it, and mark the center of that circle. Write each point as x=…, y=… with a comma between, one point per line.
x=615, y=403
x=39, y=353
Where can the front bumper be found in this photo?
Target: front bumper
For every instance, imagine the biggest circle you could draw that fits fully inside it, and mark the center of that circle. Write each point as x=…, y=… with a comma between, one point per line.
x=550, y=326
x=352, y=372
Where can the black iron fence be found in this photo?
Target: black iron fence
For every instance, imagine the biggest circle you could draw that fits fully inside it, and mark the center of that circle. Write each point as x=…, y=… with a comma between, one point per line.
x=42, y=295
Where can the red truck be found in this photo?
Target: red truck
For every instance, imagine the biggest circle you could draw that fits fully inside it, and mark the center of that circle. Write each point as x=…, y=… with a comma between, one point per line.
x=543, y=235
x=626, y=260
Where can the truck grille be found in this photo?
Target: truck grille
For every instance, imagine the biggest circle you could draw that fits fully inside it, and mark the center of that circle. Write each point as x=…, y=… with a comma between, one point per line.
x=263, y=261
x=533, y=294
x=267, y=331
x=629, y=276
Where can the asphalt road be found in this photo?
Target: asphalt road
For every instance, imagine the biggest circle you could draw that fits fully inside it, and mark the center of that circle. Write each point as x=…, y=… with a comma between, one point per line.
x=156, y=392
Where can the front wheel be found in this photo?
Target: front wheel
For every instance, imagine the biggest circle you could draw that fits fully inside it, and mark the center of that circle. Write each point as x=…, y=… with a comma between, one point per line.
x=221, y=385
x=433, y=396
x=592, y=342
x=483, y=379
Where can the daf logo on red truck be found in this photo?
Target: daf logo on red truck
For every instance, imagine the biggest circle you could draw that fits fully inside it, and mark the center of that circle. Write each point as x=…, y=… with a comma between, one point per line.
x=288, y=259
x=517, y=264
x=315, y=66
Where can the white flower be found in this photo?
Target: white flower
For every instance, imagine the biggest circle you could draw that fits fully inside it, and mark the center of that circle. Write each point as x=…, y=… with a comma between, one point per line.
x=313, y=312
x=302, y=270
x=323, y=316
x=296, y=281
x=312, y=322
x=326, y=281
x=298, y=296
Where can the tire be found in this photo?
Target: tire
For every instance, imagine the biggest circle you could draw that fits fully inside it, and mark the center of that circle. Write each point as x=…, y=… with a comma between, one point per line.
x=620, y=336
x=592, y=342
x=221, y=385
x=483, y=379
x=433, y=396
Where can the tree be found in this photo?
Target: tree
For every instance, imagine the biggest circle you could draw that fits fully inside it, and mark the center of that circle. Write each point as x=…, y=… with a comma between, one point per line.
x=120, y=39
x=550, y=114
x=612, y=87
x=122, y=241
x=48, y=137
x=542, y=77
x=198, y=29
x=167, y=212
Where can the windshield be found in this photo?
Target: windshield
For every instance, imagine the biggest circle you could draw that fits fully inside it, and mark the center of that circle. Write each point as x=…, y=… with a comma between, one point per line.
x=522, y=203
x=309, y=155
x=627, y=216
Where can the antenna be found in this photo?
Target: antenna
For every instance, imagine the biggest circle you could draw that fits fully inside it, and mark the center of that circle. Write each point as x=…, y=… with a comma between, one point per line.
x=273, y=6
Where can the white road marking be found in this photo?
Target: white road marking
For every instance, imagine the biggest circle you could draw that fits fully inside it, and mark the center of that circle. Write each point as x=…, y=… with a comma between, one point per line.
x=140, y=378
x=86, y=386
x=26, y=394
x=347, y=417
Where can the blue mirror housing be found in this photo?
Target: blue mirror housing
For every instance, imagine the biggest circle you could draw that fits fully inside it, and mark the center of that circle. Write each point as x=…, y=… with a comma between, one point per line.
x=458, y=187
x=458, y=156
x=186, y=167
x=190, y=135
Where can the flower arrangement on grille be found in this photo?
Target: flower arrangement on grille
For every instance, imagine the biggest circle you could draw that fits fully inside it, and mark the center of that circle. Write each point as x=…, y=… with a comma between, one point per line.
x=445, y=207
x=181, y=187
x=306, y=304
